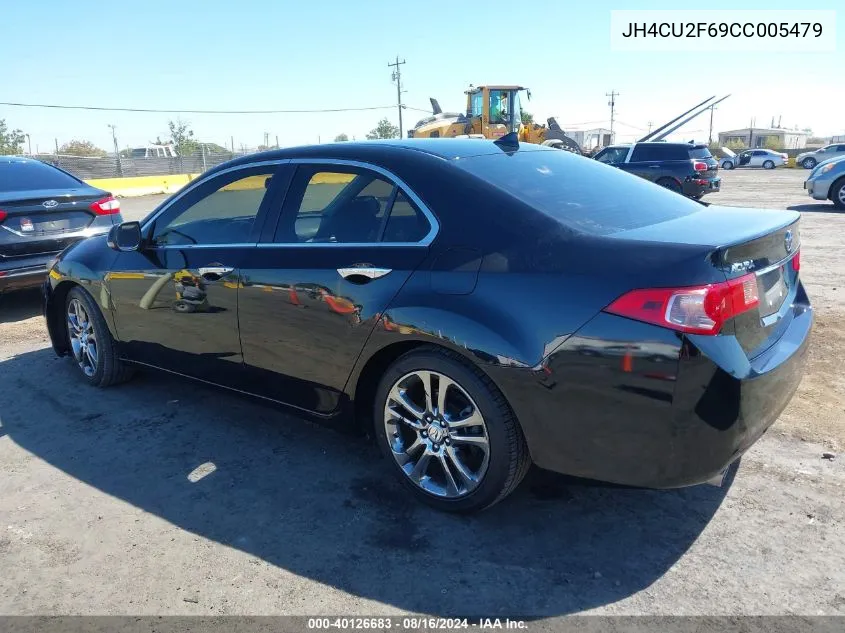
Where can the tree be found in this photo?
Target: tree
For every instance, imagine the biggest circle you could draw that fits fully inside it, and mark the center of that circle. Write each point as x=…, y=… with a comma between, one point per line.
x=81, y=148
x=527, y=118
x=340, y=138
x=384, y=129
x=182, y=137
x=11, y=141
x=773, y=142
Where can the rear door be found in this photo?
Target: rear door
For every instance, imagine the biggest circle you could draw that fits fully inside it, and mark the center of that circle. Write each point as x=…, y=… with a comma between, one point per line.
x=757, y=158
x=348, y=238
x=646, y=161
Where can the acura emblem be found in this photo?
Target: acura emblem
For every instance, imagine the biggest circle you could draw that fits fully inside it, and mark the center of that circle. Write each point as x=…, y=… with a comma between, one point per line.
x=787, y=241
x=49, y=204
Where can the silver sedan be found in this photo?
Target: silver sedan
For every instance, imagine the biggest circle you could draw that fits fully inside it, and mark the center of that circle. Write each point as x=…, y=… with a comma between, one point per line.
x=765, y=158
x=827, y=182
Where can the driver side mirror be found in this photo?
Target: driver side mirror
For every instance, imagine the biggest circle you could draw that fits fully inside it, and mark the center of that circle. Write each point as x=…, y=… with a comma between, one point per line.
x=125, y=237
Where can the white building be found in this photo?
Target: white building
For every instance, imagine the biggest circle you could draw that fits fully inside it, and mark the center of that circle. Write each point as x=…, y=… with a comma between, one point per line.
x=763, y=136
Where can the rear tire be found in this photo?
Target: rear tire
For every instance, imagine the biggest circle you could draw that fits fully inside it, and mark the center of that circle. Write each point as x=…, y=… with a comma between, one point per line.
x=465, y=458
x=837, y=193
x=809, y=163
x=671, y=184
x=768, y=164
x=91, y=343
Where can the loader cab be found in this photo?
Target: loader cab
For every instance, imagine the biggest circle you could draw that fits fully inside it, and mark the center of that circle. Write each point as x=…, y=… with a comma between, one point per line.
x=494, y=110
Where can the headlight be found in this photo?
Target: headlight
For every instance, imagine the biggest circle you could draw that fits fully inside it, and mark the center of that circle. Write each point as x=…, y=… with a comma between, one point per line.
x=827, y=168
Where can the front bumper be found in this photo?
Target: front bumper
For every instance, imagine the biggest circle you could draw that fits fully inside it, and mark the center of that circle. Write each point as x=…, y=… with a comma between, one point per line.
x=817, y=189
x=636, y=404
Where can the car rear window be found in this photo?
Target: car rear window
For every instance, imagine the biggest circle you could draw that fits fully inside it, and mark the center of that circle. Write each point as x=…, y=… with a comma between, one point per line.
x=700, y=152
x=25, y=175
x=579, y=192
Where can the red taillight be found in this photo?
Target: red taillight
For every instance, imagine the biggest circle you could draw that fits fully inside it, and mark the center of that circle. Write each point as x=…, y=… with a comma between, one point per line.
x=796, y=261
x=699, y=166
x=3, y=215
x=696, y=310
x=106, y=206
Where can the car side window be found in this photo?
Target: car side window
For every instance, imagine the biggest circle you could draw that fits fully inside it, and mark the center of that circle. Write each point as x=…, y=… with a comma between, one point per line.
x=347, y=205
x=840, y=148
x=612, y=155
x=220, y=211
x=406, y=222
x=758, y=152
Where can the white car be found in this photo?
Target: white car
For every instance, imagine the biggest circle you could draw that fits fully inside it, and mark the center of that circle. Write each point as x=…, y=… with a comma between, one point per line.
x=765, y=158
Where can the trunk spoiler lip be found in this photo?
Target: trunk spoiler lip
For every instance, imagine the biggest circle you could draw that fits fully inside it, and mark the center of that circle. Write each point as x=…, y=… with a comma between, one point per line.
x=787, y=218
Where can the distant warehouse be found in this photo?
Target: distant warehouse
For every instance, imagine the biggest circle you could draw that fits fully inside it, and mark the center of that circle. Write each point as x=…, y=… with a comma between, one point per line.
x=761, y=137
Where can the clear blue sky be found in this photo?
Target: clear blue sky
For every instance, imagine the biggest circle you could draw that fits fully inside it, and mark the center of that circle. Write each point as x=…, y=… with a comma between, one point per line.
x=265, y=54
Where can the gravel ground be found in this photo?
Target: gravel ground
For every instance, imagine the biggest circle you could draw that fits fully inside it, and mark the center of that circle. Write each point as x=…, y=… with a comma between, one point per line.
x=166, y=497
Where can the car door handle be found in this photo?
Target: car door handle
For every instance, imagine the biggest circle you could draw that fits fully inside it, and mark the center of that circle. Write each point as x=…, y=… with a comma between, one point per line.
x=368, y=272
x=213, y=272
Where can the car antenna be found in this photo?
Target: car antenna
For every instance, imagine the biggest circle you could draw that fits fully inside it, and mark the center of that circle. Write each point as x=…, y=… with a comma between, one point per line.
x=509, y=140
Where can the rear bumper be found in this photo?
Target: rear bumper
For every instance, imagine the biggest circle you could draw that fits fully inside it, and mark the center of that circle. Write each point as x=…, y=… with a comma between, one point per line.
x=654, y=409
x=23, y=273
x=698, y=187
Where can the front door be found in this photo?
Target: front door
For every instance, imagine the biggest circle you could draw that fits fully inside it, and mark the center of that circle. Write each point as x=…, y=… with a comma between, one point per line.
x=176, y=299
x=347, y=240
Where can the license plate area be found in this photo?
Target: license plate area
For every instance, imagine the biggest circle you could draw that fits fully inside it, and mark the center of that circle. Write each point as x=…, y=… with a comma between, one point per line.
x=772, y=288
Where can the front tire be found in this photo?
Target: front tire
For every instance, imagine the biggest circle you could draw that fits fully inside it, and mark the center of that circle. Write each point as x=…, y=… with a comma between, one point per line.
x=91, y=343
x=809, y=163
x=727, y=165
x=768, y=164
x=837, y=194
x=448, y=432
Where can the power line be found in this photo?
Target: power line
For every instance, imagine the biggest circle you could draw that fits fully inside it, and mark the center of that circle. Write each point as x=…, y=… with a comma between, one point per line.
x=182, y=111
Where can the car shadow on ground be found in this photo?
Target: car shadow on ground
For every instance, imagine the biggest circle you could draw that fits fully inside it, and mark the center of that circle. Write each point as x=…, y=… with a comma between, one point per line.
x=323, y=504
x=819, y=207
x=20, y=305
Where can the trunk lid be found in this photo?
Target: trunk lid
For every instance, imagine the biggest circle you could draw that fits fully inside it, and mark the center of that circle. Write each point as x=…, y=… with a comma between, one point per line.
x=738, y=242
x=39, y=219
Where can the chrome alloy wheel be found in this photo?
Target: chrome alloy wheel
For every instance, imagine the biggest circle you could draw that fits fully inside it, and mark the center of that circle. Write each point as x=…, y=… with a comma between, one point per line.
x=82, y=337
x=436, y=434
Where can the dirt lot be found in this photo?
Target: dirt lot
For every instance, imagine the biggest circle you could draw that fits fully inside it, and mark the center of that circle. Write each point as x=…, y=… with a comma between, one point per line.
x=163, y=497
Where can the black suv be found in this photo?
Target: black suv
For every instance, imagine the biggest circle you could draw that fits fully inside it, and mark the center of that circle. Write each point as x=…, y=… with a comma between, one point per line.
x=682, y=167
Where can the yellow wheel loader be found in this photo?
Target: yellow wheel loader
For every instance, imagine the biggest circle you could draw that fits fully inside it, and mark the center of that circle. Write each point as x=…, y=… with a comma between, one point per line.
x=492, y=112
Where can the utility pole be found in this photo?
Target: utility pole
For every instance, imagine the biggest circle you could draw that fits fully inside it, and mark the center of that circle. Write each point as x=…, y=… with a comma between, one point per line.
x=649, y=126
x=397, y=77
x=612, y=103
x=710, y=142
x=29, y=143
x=277, y=141
x=116, y=150
x=232, y=139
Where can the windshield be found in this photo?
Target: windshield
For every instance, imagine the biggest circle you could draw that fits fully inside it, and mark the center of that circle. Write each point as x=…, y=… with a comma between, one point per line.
x=579, y=192
x=500, y=107
x=26, y=175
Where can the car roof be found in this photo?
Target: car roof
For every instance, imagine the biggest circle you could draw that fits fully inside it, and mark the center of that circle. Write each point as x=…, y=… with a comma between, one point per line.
x=379, y=150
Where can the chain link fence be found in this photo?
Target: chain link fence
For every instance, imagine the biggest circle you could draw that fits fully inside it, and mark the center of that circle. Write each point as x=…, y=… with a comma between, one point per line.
x=89, y=167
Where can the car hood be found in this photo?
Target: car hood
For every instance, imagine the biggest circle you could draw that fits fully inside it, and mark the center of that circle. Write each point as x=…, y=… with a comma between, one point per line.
x=728, y=152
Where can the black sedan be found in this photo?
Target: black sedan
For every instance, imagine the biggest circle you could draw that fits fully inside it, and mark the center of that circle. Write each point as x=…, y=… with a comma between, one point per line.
x=43, y=210
x=476, y=306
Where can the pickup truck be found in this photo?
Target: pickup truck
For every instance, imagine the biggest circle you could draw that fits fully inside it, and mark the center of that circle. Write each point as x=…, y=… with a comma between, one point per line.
x=685, y=168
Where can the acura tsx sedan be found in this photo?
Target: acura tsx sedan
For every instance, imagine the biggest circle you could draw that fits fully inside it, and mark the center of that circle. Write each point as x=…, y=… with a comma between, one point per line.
x=476, y=306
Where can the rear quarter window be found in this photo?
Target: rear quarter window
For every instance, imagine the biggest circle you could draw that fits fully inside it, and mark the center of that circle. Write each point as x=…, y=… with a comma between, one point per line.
x=27, y=175
x=578, y=192
x=700, y=152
